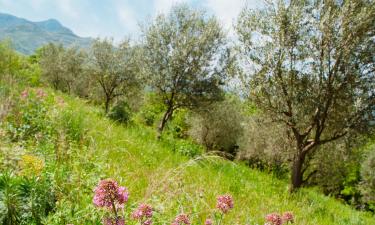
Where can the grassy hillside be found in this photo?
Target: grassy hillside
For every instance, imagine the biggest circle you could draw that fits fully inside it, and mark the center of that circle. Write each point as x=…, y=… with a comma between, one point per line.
x=155, y=172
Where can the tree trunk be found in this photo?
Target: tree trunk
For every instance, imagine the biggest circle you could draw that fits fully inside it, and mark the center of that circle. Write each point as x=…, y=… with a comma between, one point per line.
x=297, y=172
x=107, y=103
x=163, y=122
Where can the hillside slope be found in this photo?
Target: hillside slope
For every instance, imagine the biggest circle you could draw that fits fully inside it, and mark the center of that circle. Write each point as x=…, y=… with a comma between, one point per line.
x=27, y=36
x=173, y=183
x=154, y=172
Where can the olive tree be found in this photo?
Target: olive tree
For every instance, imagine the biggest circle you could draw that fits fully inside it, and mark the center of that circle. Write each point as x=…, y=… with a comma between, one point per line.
x=310, y=65
x=113, y=67
x=186, y=59
x=61, y=67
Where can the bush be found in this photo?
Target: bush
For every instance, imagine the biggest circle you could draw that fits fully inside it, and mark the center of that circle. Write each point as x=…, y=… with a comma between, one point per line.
x=150, y=111
x=178, y=127
x=120, y=112
x=264, y=145
x=187, y=148
x=218, y=127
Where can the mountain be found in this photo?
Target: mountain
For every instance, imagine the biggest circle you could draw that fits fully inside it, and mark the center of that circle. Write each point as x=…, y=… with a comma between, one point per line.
x=27, y=36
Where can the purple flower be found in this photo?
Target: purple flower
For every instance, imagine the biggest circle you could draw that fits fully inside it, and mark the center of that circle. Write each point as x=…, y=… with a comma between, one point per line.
x=143, y=212
x=208, y=222
x=109, y=194
x=274, y=219
x=112, y=221
x=224, y=203
x=181, y=220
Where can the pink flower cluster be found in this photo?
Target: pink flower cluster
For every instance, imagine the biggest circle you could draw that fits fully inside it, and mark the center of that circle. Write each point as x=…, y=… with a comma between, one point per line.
x=274, y=219
x=111, y=221
x=224, y=203
x=181, y=220
x=277, y=219
x=24, y=94
x=288, y=217
x=40, y=93
x=109, y=194
x=208, y=222
x=143, y=214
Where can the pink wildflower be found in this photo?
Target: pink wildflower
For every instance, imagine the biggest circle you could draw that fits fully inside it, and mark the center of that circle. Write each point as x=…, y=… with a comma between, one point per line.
x=143, y=212
x=224, y=203
x=274, y=219
x=147, y=222
x=40, y=93
x=24, y=94
x=208, y=222
x=288, y=217
x=181, y=220
x=108, y=194
x=112, y=221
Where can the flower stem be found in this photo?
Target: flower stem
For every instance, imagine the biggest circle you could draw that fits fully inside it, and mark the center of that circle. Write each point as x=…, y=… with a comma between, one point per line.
x=221, y=218
x=114, y=210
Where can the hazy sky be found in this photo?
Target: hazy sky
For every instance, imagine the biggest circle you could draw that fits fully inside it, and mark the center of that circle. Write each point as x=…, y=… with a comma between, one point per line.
x=114, y=18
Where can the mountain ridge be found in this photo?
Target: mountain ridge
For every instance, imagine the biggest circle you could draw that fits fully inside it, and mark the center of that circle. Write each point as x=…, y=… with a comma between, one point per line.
x=27, y=36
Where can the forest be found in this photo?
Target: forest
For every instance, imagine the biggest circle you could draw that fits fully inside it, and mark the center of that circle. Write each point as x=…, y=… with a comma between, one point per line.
x=190, y=124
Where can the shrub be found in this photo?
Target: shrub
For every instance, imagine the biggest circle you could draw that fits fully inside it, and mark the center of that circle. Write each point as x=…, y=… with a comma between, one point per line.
x=179, y=125
x=218, y=127
x=186, y=148
x=264, y=145
x=120, y=112
x=150, y=111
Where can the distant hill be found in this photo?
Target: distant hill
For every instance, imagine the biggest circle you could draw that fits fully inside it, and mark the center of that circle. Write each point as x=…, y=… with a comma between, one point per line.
x=27, y=36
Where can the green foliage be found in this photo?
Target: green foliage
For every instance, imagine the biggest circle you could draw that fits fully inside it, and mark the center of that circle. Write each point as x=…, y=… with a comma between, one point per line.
x=367, y=185
x=121, y=112
x=10, y=202
x=24, y=200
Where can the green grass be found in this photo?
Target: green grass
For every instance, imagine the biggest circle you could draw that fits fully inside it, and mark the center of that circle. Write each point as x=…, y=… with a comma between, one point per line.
x=172, y=183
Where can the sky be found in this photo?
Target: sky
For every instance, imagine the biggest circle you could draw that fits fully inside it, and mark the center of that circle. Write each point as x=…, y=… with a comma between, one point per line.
x=115, y=18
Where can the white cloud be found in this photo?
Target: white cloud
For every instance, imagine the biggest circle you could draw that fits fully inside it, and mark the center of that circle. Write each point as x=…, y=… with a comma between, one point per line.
x=127, y=18
x=163, y=6
x=67, y=7
x=228, y=10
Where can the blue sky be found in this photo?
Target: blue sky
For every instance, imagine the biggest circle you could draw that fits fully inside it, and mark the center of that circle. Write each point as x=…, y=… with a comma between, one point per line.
x=114, y=18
